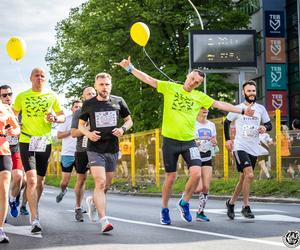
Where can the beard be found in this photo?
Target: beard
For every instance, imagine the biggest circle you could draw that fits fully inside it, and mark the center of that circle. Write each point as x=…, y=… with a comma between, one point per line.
x=103, y=94
x=247, y=98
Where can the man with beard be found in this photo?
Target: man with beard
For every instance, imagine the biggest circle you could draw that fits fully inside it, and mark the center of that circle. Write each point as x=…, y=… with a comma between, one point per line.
x=246, y=145
x=103, y=113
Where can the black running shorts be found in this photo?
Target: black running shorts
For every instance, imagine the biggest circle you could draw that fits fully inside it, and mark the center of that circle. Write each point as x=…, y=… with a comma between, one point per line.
x=173, y=148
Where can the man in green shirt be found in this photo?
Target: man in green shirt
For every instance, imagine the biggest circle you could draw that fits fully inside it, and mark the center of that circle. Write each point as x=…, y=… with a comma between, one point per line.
x=37, y=106
x=181, y=107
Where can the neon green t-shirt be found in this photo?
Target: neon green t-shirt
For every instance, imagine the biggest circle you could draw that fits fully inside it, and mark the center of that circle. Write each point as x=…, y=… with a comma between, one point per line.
x=34, y=107
x=181, y=109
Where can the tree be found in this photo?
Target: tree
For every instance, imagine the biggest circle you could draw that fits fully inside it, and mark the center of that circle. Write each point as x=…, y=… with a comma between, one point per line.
x=96, y=34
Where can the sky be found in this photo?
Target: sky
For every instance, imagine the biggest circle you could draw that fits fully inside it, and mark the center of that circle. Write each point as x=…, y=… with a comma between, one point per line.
x=34, y=21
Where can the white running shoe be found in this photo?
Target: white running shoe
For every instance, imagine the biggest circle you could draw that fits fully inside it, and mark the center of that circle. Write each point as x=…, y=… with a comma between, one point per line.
x=105, y=225
x=92, y=210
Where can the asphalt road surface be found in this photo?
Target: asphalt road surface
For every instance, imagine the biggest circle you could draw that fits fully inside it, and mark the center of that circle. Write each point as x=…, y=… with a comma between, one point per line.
x=137, y=226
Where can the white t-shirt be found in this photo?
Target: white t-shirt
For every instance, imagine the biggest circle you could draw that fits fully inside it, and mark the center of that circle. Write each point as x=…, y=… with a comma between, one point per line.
x=247, y=136
x=204, y=133
x=68, y=143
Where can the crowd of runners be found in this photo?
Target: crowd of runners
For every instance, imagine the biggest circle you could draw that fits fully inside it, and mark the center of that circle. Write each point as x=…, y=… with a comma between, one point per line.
x=90, y=142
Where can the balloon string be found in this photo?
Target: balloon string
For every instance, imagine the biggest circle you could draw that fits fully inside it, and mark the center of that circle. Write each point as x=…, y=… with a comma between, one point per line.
x=157, y=67
x=20, y=73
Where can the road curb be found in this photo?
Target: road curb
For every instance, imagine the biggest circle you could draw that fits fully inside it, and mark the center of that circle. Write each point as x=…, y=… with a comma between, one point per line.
x=216, y=197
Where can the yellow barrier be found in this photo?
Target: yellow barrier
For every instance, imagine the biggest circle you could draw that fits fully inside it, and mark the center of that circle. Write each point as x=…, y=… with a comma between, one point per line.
x=133, y=180
x=278, y=146
x=157, y=162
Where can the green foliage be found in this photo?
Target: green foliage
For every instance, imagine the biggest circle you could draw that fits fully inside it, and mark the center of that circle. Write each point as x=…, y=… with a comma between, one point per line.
x=96, y=34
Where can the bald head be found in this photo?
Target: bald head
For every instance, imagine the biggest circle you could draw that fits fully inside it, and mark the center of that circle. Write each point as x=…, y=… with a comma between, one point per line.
x=38, y=79
x=88, y=93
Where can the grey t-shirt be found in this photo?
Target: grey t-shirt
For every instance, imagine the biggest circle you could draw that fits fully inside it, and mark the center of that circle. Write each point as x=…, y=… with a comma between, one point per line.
x=82, y=140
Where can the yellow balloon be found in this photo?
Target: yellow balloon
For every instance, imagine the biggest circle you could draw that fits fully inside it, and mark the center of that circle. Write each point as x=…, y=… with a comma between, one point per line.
x=140, y=33
x=16, y=48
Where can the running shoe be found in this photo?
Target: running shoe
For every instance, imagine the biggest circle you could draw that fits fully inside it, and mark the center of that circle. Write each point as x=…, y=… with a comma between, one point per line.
x=3, y=237
x=61, y=195
x=36, y=227
x=230, y=209
x=23, y=210
x=13, y=209
x=92, y=210
x=79, y=215
x=165, y=217
x=201, y=217
x=246, y=212
x=105, y=225
x=185, y=211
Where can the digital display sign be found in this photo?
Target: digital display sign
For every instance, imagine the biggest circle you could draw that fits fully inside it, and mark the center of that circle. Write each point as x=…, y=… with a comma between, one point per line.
x=234, y=48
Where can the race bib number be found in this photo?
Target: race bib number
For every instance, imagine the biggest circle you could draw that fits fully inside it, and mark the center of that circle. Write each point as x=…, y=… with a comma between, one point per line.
x=106, y=119
x=195, y=154
x=84, y=142
x=205, y=146
x=12, y=140
x=38, y=143
x=250, y=131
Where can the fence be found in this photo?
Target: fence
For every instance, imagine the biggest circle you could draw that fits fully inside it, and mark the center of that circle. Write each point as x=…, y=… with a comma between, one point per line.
x=141, y=160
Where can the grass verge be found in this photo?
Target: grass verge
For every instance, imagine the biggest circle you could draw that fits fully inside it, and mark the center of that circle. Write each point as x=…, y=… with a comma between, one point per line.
x=262, y=188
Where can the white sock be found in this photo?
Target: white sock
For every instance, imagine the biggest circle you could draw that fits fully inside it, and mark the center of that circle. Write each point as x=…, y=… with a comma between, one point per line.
x=12, y=198
x=1, y=229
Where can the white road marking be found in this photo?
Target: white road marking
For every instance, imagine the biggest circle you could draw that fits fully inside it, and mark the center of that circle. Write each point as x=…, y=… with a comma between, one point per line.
x=20, y=230
x=223, y=211
x=274, y=217
x=258, y=241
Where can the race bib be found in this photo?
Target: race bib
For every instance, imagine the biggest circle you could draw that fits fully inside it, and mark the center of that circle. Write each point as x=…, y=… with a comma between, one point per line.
x=195, y=154
x=250, y=131
x=38, y=143
x=84, y=142
x=205, y=146
x=12, y=140
x=106, y=119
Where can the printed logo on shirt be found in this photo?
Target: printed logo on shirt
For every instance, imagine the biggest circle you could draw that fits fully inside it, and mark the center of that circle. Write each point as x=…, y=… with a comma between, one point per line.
x=36, y=106
x=106, y=119
x=182, y=103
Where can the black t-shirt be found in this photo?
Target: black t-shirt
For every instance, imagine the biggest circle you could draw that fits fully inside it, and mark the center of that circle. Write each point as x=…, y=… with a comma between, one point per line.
x=103, y=116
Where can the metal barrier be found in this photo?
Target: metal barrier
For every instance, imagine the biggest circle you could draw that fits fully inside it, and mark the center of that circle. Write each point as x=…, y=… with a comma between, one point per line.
x=141, y=160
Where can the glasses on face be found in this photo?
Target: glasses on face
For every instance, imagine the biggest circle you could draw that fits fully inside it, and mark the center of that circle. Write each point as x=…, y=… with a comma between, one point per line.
x=7, y=94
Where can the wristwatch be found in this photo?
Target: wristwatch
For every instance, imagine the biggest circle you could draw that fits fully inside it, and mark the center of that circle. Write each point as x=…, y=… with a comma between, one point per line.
x=124, y=129
x=55, y=118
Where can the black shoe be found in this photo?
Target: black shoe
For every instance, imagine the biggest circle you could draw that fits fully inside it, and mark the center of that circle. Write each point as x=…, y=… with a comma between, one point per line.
x=230, y=210
x=36, y=227
x=246, y=212
x=79, y=215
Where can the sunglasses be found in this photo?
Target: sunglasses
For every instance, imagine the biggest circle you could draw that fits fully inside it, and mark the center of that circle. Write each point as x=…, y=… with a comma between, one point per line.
x=7, y=94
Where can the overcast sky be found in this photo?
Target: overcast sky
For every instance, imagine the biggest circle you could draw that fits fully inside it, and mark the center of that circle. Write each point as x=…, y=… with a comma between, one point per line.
x=34, y=21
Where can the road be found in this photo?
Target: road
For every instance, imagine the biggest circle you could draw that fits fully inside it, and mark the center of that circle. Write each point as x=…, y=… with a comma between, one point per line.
x=136, y=226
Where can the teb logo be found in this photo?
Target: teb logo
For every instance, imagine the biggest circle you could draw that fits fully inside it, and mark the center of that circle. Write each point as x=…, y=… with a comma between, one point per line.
x=276, y=74
x=274, y=21
x=277, y=101
x=291, y=239
x=275, y=47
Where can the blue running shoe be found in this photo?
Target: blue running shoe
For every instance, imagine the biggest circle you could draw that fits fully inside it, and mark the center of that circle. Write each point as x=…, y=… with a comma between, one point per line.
x=185, y=211
x=13, y=209
x=165, y=217
x=201, y=217
x=24, y=211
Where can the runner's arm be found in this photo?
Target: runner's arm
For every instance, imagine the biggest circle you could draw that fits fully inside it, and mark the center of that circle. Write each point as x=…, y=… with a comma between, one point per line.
x=63, y=134
x=225, y=106
x=126, y=64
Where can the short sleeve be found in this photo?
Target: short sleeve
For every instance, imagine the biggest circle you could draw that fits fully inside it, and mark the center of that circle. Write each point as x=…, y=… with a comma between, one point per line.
x=18, y=103
x=62, y=127
x=265, y=116
x=162, y=86
x=205, y=100
x=214, y=131
x=56, y=105
x=75, y=119
x=84, y=115
x=124, y=110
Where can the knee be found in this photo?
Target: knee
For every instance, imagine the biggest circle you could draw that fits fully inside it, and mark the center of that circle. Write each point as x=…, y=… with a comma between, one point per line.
x=100, y=183
x=31, y=182
x=249, y=176
x=170, y=177
x=17, y=177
